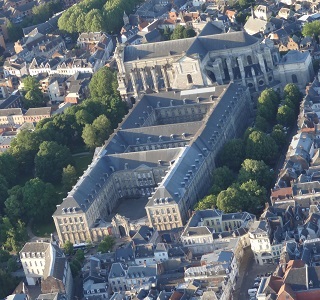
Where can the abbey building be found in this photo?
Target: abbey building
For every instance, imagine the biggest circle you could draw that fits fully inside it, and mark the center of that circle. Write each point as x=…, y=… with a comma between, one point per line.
x=210, y=58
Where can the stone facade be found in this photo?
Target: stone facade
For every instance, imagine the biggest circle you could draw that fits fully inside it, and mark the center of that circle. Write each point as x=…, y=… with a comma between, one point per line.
x=156, y=160
x=199, y=61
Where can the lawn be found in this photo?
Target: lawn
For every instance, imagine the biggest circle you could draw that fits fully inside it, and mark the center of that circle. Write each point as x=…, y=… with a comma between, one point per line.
x=43, y=229
x=81, y=162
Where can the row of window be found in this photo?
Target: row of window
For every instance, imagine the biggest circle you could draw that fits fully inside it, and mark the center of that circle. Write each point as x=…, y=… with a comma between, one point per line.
x=35, y=264
x=70, y=220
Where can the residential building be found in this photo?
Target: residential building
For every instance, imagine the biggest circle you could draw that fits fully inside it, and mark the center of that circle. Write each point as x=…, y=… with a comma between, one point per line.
x=265, y=245
x=94, y=280
x=45, y=262
x=202, y=228
x=138, y=162
x=11, y=116
x=15, y=67
x=134, y=277
x=34, y=115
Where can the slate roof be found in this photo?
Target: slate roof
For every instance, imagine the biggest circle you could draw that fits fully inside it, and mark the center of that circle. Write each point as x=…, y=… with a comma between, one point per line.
x=117, y=270
x=195, y=45
x=141, y=271
x=38, y=111
x=10, y=112
x=35, y=247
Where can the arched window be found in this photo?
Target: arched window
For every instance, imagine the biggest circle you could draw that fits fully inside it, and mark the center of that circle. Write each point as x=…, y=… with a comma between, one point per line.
x=249, y=59
x=189, y=77
x=294, y=78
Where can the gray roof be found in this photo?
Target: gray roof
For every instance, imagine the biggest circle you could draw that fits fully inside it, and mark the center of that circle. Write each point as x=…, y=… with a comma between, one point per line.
x=142, y=271
x=117, y=270
x=36, y=247
x=196, y=45
x=294, y=56
x=38, y=111
x=10, y=112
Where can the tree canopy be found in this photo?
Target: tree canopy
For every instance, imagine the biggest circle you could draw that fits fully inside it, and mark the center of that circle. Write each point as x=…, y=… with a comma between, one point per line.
x=50, y=160
x=311, y=29
x=261, y=146
x=232, y=154
x=103, y=83
x=33, y=95
x=256, y=170
x=106, y=244
x=286, y=115
x=222, y=178
x=182, y=32
x=96, y=15
x=95, y=135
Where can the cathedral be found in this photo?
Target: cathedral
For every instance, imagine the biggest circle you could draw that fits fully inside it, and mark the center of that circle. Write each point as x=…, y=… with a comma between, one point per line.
x=211, y=58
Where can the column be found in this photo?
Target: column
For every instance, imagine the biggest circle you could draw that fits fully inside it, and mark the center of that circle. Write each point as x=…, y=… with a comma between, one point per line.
x=262, y=67
x=228, y=60
x=165, y=78
x=217, y=72
x=143, y=77
x=241, y=67
x=254, y=78
x=134, y=83
x=268, y=57
x=154, y=79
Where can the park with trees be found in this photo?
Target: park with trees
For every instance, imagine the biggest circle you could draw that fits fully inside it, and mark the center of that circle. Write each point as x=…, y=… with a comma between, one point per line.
x=39, y=168
x=245, y=165
x=96, y=15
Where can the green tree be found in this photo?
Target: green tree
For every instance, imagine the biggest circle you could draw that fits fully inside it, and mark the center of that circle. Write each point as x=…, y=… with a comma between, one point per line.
x=292, y=92
x=232, y=154
x=102, y=83
x=69, y=177
x=94, y=135
x=261, y=123
x=68, y=248
x=50, y=160
x=222, y=178
x=14, y=206
x=167, y=33
x=12, y=264
x=106, y=244
x=180, y=32
x=33, y=96
x=3, y=192
x=14, y=32
x=83, y=117
x=39, y=199
x=207, y=202
x=189, y=32
x=311, y=29
x=8, y=167
x=24, y=148
x=7, y=283
x=231, y=200
x=256, y=170
x=79, y=256
x=267, y=104
x=279, y=136
x=94, y=21
x=261, y=146
x=255, y=196
x=286, y=115
x=4, y=256
x=16, y=237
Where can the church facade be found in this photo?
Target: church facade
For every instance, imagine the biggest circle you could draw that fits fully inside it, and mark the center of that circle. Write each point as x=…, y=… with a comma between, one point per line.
x=205, y=60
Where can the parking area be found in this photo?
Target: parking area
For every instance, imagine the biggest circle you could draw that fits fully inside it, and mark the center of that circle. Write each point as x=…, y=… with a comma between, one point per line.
x=253, y=271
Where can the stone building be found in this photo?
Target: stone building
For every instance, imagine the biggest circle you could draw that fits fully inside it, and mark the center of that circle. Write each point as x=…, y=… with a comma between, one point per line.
x=45, y=263
x=209, y=58
x=154, y=163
